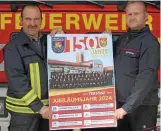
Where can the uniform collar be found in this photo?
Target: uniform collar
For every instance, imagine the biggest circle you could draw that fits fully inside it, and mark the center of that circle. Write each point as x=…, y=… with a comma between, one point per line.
x=32, y=39
x=135, y=33
x=26, y=39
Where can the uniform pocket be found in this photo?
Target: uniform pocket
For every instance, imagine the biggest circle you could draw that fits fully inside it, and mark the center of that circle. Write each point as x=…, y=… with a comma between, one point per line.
x=20, y=120
x=23, y=122
x=131, y=54
x=131, y=61
x=31, y=59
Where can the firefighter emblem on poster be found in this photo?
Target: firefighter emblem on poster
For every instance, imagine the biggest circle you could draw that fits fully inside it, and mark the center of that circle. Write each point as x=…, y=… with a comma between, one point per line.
x=58, y=44
x=81, y=81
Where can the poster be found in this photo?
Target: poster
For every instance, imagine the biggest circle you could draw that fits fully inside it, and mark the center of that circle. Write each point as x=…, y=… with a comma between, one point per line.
x=81, y=81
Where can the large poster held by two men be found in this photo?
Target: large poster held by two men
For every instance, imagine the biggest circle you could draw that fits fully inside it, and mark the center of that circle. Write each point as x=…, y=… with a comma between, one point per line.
x=81, y=81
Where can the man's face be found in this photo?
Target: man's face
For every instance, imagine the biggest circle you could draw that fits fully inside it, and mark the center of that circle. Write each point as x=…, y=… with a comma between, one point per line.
x=136, y=16
x=31, y=20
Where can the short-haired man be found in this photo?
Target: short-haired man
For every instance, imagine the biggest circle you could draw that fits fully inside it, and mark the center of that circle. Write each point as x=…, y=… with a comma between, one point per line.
x=25, y=60
x=137, y=56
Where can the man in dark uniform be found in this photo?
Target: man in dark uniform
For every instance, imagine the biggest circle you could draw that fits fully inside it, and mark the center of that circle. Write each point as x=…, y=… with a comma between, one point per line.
x=136, y=62
x=25, y=67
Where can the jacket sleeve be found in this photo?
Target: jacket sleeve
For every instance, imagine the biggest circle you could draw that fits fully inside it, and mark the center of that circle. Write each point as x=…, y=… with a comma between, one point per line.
x=18, y=82
x=147, y=77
